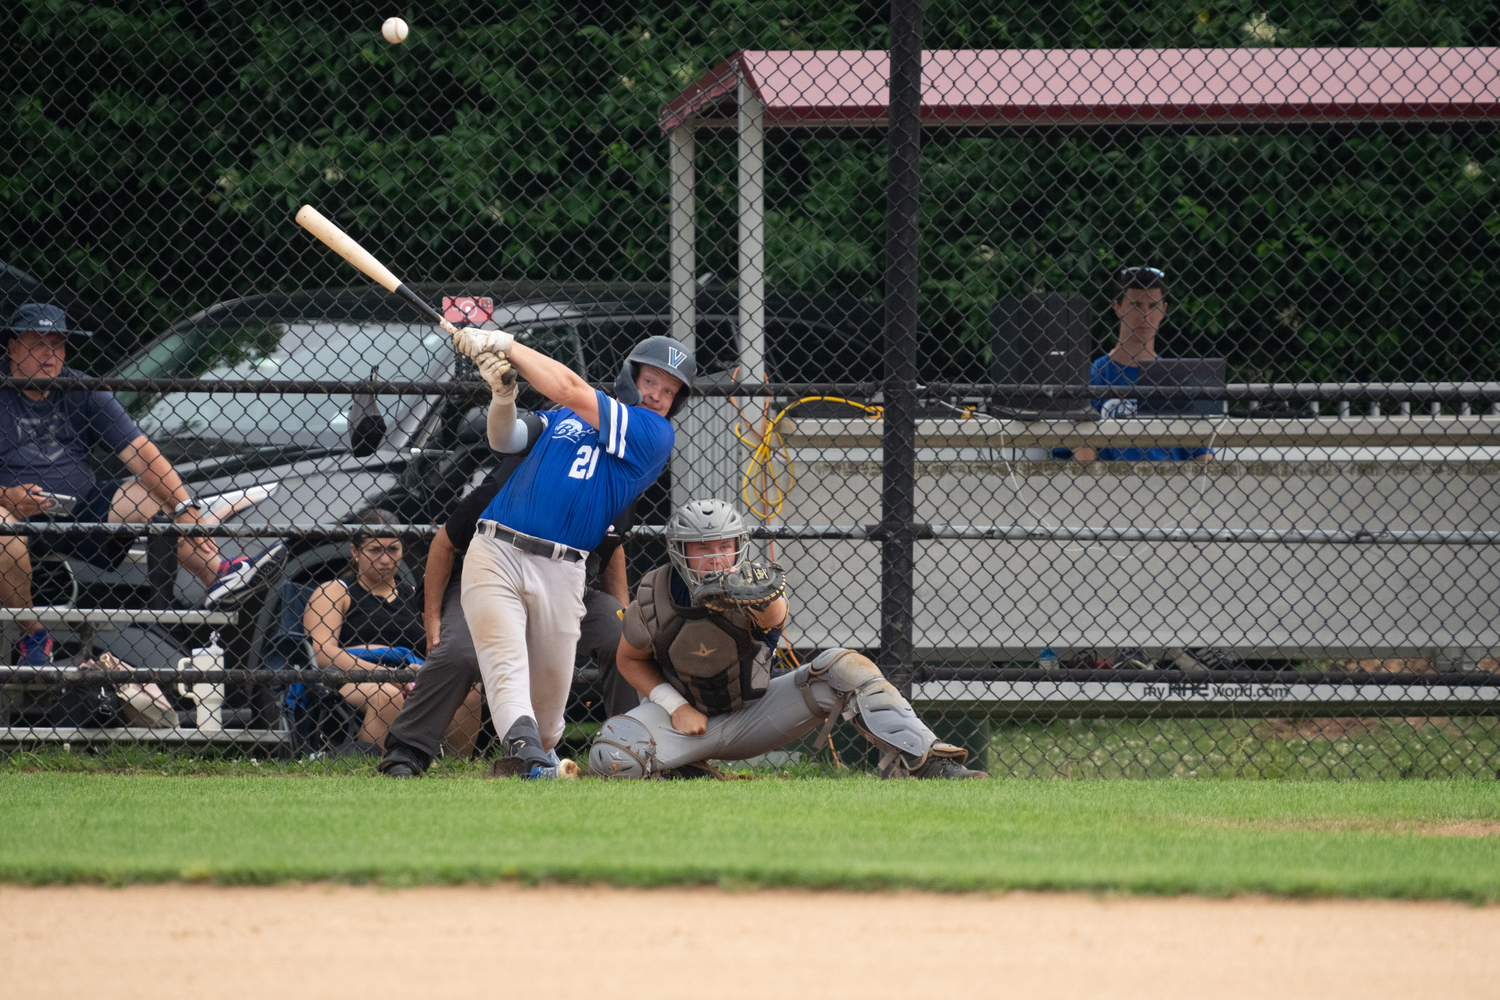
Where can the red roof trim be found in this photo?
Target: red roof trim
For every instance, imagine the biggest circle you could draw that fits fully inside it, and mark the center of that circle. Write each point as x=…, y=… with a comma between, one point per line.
x=1113, y=86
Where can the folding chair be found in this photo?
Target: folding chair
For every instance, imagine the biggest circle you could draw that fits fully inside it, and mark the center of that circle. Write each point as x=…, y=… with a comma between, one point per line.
x=320, y=722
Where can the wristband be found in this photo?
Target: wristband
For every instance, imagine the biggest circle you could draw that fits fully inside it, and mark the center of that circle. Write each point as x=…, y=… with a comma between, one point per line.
x=186, y=506
x=667, y=697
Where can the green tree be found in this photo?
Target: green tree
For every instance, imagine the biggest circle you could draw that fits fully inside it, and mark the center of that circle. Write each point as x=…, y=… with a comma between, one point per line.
x=153, y=157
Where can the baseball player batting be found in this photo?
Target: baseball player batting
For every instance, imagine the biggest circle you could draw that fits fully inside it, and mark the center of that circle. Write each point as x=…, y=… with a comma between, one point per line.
x=698, y=644
x=451, y=671
x=523, y=577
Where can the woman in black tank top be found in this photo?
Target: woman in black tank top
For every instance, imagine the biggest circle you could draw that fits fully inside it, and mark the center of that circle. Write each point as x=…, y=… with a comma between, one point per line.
x=367, y=622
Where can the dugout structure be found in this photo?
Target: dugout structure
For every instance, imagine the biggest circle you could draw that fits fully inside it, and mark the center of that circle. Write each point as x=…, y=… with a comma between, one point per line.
x=1042, y=95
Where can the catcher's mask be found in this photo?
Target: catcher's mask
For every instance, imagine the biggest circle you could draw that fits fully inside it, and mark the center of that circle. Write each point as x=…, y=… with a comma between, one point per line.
x=705, y=521
x=671, y=356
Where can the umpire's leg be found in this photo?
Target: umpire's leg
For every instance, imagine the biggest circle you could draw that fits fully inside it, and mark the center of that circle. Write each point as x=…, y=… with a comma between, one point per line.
x=599, y=638
x=447, y=676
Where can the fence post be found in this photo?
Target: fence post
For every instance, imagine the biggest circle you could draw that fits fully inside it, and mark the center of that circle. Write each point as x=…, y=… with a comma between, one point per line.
x=898, y=464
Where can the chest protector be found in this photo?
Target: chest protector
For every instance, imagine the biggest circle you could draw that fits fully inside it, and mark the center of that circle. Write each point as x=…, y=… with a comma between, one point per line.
x=710, y=658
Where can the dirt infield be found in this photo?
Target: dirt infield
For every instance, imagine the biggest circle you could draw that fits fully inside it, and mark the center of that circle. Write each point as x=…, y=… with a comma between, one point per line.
x=197, y=942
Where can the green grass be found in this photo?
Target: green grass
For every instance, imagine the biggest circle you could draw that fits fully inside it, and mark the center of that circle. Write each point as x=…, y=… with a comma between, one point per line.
x=1209, y=837
x=1308, y=749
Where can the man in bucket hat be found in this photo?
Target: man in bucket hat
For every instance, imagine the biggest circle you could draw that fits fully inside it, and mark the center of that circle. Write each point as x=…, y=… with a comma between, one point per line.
x=45, y=440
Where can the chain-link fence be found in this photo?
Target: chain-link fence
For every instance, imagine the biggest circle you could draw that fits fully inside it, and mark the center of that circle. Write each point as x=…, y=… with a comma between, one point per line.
x=1125, y=384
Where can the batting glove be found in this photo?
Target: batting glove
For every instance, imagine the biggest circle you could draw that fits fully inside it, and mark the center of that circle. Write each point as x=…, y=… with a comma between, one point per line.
x=496, y=370
x=474, y=342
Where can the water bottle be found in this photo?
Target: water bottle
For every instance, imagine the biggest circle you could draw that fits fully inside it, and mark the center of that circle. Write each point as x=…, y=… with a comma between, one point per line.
x=1047, y=658
x=210, y=696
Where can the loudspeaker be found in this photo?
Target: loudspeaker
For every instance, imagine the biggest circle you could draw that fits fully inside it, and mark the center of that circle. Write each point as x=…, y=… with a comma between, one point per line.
x=1042, y=338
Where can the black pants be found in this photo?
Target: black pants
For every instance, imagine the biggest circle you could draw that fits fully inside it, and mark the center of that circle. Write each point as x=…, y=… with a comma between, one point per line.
x=452, y=669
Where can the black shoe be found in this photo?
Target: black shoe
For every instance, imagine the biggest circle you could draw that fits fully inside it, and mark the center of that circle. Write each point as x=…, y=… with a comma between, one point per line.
x=946, y=767
x=402, y=761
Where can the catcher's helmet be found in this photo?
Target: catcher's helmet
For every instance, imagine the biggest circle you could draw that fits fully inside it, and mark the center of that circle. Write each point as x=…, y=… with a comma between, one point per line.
x=705, y=521
x=671, y=356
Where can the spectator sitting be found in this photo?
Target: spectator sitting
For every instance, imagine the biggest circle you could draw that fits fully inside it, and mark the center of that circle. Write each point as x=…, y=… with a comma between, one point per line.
x=45, y=440
x=1141, y=303
x=369, y=622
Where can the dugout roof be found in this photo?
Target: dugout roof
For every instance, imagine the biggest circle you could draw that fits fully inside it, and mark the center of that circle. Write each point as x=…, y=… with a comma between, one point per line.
x=990, y=91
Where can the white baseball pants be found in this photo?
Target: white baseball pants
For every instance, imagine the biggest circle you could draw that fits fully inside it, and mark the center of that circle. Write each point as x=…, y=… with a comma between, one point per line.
x=523, y=612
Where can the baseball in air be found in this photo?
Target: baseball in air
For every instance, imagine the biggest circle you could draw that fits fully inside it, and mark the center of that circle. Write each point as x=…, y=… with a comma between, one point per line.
x=394, y=29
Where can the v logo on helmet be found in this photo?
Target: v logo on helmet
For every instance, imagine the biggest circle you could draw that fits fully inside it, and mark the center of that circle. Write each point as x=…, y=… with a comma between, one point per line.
x=675, y=358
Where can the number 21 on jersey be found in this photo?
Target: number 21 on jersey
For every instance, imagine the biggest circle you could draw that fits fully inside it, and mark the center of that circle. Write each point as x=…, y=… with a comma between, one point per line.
x=584, y=463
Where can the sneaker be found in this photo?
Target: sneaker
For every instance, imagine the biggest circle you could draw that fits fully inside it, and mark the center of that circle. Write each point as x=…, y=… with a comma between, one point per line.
x=238, y=576
x=1201, y=658
x=1132, y=658
x=35, y=649
x=946, y=768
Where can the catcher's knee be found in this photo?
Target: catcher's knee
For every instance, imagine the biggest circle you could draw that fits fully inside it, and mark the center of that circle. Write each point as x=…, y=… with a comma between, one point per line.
x=879, y=711
x=622, y=749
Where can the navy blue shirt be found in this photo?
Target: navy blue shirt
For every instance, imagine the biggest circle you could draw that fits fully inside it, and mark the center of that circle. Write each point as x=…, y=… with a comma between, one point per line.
x=47, y=442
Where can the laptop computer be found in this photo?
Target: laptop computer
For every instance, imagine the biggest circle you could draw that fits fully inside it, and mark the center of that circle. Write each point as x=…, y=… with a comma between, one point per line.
x=1170, y=373
x=1042, y=338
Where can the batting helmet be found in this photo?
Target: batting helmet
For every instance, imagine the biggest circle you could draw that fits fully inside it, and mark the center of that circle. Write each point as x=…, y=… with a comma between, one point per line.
x=671, y=356
x=704, y=521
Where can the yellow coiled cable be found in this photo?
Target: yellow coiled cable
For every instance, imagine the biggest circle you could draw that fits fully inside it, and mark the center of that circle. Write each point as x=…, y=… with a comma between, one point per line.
x=761, y=486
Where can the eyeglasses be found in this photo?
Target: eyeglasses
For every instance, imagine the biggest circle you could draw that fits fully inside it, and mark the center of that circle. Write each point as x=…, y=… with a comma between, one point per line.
x=1149, y=270
x=377, y=551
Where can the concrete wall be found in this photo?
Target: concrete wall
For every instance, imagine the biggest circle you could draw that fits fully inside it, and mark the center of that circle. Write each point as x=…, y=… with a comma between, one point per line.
x=999, y=600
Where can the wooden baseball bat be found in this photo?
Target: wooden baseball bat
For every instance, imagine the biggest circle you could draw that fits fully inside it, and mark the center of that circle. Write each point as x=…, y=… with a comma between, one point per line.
x=343, y=244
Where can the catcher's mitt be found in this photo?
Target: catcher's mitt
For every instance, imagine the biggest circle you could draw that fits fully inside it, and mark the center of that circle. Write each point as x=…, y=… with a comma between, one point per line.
x=754, y=585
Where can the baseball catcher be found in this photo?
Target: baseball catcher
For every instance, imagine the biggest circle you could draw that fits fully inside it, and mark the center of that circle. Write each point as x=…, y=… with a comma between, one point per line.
x=698, y=644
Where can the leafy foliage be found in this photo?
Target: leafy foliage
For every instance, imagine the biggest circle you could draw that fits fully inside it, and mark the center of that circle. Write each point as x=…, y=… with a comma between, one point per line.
x=152, y=157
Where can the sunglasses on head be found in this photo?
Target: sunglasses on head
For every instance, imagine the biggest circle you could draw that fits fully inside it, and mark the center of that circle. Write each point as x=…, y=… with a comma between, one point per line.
x=1149, y=270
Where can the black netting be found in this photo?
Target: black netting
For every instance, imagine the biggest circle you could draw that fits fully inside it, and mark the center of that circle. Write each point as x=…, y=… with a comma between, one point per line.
x=1162, y=442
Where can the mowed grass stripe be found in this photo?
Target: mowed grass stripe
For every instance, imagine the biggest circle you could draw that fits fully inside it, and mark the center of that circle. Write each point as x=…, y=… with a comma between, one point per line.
x=1214, y=838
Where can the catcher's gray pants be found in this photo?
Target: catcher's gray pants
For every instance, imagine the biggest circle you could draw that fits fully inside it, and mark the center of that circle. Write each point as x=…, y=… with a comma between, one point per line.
x=452, y=669
x=781, y=715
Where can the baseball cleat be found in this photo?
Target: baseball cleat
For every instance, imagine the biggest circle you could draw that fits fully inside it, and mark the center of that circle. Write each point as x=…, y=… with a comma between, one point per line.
x=946, y=767
x=516, y=767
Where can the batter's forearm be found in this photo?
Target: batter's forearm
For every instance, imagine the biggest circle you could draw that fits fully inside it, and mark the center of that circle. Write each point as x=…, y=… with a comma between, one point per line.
x=501, y=426
x=557, y=382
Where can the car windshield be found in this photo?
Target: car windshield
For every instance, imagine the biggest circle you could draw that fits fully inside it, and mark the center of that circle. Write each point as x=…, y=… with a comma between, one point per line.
x=196, y=425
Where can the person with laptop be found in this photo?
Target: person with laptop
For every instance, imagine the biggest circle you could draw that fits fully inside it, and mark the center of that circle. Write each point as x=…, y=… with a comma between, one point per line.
x=46, y=472
x=1141, y=303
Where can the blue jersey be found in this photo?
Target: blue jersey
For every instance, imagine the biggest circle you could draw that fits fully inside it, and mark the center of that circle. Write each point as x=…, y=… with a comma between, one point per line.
x=1106, y=371
x=576, y=481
